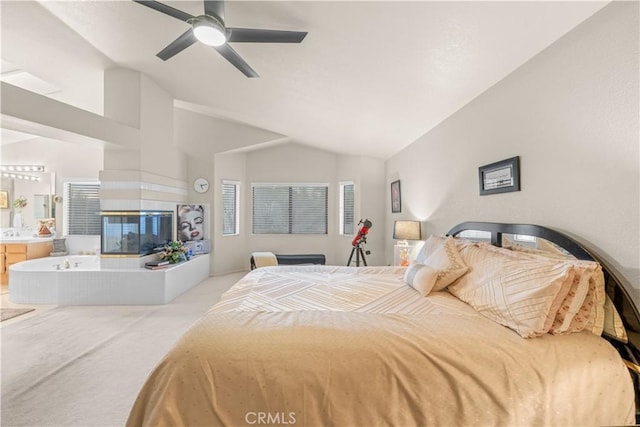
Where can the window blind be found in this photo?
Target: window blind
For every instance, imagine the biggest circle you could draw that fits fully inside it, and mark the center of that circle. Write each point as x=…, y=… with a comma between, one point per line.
x=230, y=205
x=347, y=204
x=290, y=208
x=82, y=208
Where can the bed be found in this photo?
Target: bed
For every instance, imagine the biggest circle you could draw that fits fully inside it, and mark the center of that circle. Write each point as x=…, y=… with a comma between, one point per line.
x=362, y=346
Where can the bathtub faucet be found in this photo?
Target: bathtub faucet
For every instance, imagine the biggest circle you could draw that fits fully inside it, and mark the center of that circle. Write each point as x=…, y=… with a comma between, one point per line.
x=66, y=263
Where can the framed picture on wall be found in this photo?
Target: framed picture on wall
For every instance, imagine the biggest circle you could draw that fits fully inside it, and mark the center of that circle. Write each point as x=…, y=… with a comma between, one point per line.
x=500, y=177
x=396, y=199
x=4, y=199
x=190, y=222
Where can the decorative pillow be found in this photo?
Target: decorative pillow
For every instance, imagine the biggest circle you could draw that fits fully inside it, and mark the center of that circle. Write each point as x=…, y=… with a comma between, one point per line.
x=570, y=316
x=595, y=324
x=613, y=325
x=429, y=247
x=558, y=301
x=583, y=306
x=543, y=248
x=446, y=260
x=421, y=277
x=515, y=290
x=441, y=267
x=442, y=254
x=550, y=248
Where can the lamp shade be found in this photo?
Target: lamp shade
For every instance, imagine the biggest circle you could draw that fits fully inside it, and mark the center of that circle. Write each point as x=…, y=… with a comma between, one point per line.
x=407, y=230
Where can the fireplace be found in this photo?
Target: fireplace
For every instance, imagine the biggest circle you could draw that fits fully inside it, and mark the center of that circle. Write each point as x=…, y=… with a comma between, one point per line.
x=135, y=233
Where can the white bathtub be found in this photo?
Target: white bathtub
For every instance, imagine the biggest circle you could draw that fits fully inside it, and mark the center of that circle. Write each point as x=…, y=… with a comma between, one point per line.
x=78, y=262
x=85, y=282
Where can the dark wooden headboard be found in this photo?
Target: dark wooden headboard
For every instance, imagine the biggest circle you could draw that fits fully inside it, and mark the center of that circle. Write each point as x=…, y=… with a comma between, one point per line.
x=617, y=287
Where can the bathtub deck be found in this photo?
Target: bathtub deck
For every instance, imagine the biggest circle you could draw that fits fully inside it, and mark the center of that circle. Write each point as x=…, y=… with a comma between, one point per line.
x=133, y=286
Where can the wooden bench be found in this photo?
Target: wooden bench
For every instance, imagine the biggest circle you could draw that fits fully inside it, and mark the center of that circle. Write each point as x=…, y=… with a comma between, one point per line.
x=296, y=259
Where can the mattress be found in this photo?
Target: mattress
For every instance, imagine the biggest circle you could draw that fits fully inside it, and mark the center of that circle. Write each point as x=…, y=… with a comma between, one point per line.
x=326, y=345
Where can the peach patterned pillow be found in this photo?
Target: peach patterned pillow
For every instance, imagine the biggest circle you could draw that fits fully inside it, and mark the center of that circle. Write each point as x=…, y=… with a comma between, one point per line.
x=583, y=306
x=558, y=301
x=513, y=289
x=595, y=323
x=565, y=319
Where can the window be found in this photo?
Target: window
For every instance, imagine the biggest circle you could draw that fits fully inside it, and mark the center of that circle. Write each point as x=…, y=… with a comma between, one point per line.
x=81, y=204
x=230, y=208
x=290, y=208
x=347, y=214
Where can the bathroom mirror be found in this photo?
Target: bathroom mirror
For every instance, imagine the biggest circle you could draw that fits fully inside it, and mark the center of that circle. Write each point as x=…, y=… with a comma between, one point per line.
x=42, y=206
x=39, y=206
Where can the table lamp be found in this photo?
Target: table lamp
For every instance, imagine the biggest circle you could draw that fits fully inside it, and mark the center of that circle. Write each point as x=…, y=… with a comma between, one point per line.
x=403, y=231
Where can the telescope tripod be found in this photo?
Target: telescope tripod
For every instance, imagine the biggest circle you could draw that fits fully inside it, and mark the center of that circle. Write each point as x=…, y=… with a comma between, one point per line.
x=357, y=249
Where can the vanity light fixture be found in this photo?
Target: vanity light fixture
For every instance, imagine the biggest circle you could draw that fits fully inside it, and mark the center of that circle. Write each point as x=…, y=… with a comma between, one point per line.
x=20, y=176
x=22, y=168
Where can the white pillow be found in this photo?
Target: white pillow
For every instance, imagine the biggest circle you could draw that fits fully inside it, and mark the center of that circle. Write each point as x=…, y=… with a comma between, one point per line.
x=441, y=266
x=430, y=245
x=421, y=277
x=446, y=260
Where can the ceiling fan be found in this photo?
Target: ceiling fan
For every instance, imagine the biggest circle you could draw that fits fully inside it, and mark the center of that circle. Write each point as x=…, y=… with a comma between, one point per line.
x=211, y=30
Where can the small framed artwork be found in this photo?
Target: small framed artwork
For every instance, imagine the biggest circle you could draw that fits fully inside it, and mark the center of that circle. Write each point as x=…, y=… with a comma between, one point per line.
x=500, y=177
x=4, y=199
x=396, y=200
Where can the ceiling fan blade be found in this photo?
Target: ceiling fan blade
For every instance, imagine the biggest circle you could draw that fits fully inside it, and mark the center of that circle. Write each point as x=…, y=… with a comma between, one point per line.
x=232, y=56
x=178, y=45
x=251, y=35
x=167, y=10
x=214, y=7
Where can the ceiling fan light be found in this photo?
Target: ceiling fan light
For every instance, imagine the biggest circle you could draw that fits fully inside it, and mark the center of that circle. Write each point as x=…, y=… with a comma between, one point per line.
x=209, y=32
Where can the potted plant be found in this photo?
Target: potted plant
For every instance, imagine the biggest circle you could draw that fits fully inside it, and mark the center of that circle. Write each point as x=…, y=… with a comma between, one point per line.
x=175, y=252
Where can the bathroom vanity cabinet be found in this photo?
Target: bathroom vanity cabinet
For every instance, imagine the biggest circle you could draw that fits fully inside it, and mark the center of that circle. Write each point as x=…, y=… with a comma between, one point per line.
x=12, y=253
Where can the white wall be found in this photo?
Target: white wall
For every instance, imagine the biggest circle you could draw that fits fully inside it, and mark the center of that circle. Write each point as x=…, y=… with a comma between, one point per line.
x=571, y=113
x=199, y=134
x=295, y=163
x=231, y=253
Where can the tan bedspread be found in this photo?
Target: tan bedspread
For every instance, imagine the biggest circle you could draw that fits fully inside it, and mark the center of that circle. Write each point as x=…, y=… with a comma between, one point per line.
x=320, y=345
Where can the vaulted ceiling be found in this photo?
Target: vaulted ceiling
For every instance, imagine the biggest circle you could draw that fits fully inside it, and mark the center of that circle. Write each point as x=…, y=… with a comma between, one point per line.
x=370, y=77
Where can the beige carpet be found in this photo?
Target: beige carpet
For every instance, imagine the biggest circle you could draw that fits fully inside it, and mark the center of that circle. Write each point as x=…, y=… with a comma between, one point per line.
x=83, y=365
x=10, y=313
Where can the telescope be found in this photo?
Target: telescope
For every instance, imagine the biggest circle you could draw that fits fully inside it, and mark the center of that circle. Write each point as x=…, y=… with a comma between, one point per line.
x=362, y=232
x=358, y=241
